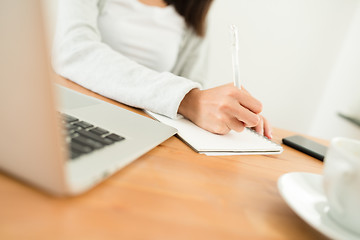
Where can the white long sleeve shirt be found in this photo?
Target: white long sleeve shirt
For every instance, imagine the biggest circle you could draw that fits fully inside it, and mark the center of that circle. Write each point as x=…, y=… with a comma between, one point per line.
x=149, y=35
x=86, y=53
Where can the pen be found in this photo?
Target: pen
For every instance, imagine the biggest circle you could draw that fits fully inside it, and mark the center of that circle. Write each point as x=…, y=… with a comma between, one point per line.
x=235, y=55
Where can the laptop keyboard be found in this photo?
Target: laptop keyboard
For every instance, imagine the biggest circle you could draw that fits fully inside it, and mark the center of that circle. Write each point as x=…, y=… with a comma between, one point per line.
x=83, y=137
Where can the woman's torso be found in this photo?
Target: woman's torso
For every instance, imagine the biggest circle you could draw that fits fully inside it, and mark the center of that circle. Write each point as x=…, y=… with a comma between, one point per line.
x=149, y=35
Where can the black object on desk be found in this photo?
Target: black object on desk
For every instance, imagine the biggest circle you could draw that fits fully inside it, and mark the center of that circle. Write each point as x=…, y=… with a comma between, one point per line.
x=306, y=146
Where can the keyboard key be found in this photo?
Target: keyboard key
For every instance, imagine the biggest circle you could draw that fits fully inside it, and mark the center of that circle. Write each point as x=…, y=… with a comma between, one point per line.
x=69, y=118
x=70, y=127
x=80, y=148
x=74, y=154
x=99, y=131
x=95, y=137
x=115, y=137
x=88, y=142
x=83, y=124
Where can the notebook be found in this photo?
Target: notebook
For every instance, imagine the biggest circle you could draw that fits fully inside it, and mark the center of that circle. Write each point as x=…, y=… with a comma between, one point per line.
x=65, y=148
x=247, y=142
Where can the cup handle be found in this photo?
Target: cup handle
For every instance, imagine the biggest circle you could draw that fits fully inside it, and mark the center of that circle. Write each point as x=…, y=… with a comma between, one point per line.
x=345, y=173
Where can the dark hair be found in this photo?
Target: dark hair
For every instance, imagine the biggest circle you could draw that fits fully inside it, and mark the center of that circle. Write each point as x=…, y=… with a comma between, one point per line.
x=194, y=13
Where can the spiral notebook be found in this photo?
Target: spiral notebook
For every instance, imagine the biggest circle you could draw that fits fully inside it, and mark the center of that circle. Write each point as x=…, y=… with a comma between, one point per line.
x=247, y=142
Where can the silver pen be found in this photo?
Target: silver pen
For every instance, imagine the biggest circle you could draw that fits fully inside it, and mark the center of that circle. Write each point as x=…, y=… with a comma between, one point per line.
x=235, y=55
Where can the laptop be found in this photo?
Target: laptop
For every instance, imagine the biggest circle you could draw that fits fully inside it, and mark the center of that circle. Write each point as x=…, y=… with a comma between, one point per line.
x=54, y=138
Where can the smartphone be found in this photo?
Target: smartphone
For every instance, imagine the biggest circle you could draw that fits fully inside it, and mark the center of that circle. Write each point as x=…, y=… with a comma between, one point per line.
x=306, y=146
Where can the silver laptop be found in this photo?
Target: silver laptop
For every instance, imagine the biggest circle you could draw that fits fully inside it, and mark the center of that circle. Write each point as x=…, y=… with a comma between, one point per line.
x=64, y=150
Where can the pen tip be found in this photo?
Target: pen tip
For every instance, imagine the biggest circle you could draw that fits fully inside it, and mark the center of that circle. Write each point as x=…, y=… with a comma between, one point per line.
x=233, y=27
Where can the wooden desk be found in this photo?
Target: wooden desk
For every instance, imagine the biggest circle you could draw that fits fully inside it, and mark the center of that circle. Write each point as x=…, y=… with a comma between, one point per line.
x=169, y=193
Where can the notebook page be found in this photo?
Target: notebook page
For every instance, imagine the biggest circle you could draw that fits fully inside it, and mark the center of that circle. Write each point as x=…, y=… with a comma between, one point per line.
x=203, y=141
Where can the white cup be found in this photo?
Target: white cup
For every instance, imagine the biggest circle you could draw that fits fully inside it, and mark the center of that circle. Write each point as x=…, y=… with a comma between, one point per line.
x=342, y=182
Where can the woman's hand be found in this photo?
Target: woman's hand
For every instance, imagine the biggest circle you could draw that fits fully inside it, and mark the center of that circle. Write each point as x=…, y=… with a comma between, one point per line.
x=263, y=127
x=224, y=108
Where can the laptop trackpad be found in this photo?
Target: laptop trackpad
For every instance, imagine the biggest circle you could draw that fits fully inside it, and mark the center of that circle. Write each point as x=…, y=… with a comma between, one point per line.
x=70, y=99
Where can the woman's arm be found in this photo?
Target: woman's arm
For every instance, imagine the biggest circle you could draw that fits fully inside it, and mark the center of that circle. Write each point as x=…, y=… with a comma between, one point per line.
x=80, y=56
x=192, y=62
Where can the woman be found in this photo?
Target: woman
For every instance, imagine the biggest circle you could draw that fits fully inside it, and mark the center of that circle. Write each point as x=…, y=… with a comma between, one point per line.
x=150, y=54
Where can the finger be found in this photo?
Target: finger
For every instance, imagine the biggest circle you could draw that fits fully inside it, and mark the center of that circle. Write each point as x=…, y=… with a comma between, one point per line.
x=244, y=98
x=235, y=124
x=260, y=127
x=249, y=102
x=267, y=129
x=220, y=127
x=221, y=130
x=242, y=114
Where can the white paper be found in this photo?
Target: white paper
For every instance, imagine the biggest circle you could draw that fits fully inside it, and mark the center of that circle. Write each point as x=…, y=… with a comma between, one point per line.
x=245, y=143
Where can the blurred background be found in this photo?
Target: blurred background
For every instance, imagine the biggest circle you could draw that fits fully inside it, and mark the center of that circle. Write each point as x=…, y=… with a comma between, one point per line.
x=301, y=58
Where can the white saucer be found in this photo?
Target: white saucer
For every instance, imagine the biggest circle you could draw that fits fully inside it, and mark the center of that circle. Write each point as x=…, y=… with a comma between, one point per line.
x=304, y=193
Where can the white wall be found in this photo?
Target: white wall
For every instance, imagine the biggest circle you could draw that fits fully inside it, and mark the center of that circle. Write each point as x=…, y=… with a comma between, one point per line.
x=342, y=93
x=288, y=49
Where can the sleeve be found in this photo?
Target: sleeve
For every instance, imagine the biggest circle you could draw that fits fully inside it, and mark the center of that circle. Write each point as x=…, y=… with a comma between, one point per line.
x=192, y=62
x=81, y=56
